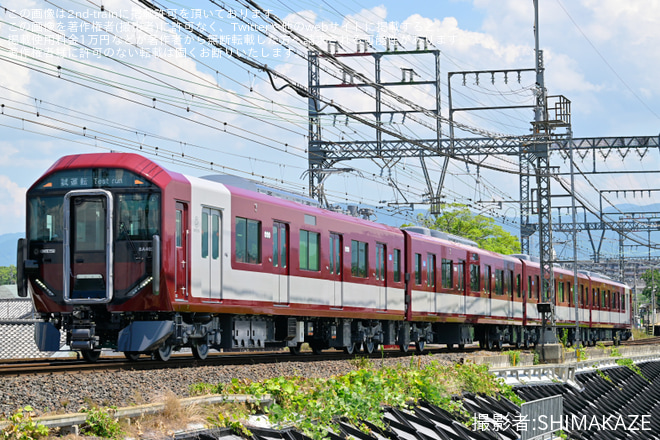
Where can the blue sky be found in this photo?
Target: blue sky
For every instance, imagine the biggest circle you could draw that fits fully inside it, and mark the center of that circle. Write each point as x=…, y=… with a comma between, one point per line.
x=599, y=54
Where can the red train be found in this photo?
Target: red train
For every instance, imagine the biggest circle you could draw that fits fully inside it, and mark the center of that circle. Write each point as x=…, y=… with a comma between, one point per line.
x=121, y=253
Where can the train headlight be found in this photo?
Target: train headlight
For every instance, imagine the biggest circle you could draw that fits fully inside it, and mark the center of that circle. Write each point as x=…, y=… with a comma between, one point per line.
x=139, y=287
x=43, y=287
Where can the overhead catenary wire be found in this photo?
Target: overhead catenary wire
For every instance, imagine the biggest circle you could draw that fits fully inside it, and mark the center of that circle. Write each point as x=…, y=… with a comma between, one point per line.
x=404, y=128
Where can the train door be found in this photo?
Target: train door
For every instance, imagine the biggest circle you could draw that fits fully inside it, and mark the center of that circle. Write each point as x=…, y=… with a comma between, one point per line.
x=211, y=270
x=281, y=261
x=181, y=251
x=381, y=275
x=336, y=269
x=88, y=251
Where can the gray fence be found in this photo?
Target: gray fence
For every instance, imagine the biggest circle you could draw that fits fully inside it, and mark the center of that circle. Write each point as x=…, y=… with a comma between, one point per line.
x=540, y=418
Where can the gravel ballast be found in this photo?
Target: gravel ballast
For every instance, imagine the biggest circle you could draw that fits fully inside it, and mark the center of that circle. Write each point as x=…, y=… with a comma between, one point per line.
x=70, y=392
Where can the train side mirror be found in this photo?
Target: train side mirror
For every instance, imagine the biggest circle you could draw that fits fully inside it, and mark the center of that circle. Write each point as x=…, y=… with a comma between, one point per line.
x=155, y=264
x=21, y=279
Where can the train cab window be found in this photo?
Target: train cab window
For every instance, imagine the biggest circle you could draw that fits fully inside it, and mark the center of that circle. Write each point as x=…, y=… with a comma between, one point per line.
x=248, y=243
x=447, y=273
x=137, y=216
x=499, y=282
x=623, y=303
x=359, y=259
x=475, y=277
x=418, y=268
x=45, y=218
x=529, y=286
x=309, y=250
x=396, y=265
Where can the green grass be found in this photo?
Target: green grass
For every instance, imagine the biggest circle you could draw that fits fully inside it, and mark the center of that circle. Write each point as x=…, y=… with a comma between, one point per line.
x=314, y=405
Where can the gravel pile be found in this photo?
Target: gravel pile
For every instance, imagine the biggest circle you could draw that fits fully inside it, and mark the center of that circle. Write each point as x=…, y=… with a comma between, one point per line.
x=68, y=393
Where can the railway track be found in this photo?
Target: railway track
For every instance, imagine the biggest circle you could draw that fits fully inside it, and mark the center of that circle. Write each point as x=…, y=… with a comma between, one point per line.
x=20, y=367
x=654, y=340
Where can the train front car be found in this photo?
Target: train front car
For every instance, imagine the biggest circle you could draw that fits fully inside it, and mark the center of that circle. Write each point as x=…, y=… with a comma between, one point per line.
x=92, y=248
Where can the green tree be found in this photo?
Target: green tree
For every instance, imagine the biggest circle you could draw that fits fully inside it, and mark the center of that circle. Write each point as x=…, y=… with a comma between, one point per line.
x=457, y=219
x=7, y=275
x=652, y=284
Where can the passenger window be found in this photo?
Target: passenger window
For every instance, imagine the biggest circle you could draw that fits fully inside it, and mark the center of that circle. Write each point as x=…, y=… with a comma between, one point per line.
x=430, y=270
x=309, y=250
x=499, y=282
x=359, y=259
x=475, y=278
x=248, y=241
x=397, y=265
x=418, y=268
x=447, y=273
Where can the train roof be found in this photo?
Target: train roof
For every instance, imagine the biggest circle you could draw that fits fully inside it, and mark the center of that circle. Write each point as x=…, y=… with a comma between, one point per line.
x=441, y=235
x=136, y=163
x=251, y=185
x=310, y=209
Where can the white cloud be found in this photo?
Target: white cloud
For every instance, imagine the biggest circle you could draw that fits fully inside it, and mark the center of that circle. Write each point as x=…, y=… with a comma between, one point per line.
x=12, y=206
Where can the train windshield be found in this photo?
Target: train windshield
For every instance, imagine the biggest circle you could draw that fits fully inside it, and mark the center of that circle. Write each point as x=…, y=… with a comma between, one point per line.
x=136, y=203
x=137, y=216
x=45, y=218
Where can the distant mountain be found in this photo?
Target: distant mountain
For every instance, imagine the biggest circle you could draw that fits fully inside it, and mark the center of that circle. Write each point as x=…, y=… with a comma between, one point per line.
x=8, y=248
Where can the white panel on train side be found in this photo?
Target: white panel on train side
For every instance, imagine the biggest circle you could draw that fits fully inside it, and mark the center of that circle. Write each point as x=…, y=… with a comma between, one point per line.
x=207, y=272
x=450, y=303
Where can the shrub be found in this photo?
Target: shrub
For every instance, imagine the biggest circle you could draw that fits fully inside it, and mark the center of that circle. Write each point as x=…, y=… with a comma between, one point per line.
x=22, y=427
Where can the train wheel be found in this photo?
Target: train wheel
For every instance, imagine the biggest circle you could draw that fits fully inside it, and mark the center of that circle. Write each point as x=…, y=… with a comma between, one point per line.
x=526, y=344
x=368, y=347
x=419, y=346
x=489, y=343
x=295, y=350
x=91, y=355
x=163, y=353
x=317, y=347
x=450, y=346
x=200, y=351
x=350, y=349
x=132, y=355
x=461, y=346
x=404, y=348
x=497, y=344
